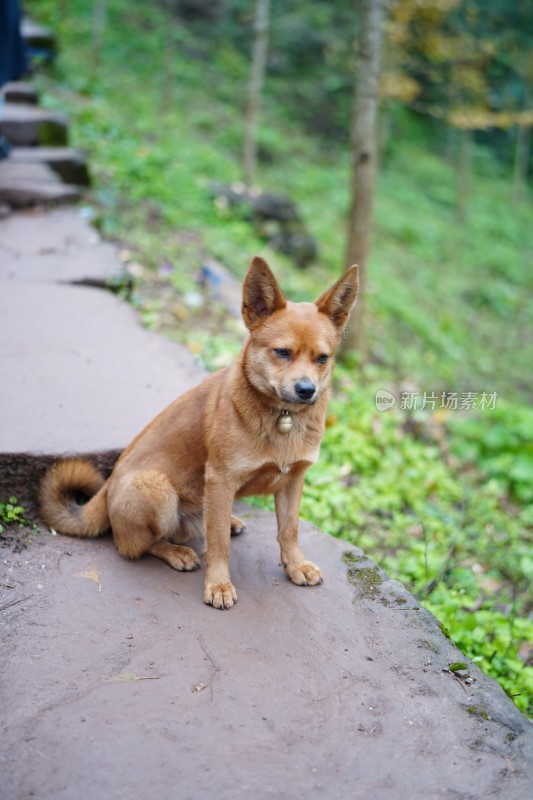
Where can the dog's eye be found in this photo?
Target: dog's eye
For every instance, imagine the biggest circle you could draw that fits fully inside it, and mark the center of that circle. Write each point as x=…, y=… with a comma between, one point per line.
x=322, y=358
x=282, y=352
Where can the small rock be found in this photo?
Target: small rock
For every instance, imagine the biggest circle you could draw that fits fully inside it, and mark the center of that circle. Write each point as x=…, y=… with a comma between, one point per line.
x=274, y=216
x=193, y=300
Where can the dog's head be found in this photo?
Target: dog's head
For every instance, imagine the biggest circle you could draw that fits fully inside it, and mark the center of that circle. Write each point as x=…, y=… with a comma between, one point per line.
x=291, y=346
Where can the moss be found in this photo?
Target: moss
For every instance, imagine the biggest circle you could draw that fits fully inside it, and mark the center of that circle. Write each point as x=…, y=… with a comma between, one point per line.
x=352, y=558
x=428, y=646
x=445, y=631
x=455, y=666
x=478, y=711
x=52, y=134
x=366, y=580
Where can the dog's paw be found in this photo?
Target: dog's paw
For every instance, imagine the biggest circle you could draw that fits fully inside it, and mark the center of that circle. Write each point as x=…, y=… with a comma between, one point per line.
x=304, y=574
x=237, y=526
x=220, y=595
x=183, y=559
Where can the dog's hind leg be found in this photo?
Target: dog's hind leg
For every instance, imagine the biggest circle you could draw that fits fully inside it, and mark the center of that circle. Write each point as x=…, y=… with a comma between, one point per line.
x=144, y=513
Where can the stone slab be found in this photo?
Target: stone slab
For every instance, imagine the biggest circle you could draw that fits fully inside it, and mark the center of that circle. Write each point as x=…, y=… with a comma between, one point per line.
x=68, y=163
x=54, y=246
x=60, y=229
x=119, y=683
x=84, y=377
x=29, y=125
x=26, y=184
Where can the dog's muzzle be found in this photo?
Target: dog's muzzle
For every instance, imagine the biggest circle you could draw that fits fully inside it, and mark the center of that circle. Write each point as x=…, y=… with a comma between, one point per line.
x=304, y=392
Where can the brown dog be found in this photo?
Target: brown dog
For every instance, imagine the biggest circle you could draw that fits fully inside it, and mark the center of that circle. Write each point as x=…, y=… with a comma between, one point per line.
x=253, y=428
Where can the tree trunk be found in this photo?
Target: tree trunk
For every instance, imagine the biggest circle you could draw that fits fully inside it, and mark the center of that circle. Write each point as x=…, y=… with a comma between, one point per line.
x=463, y=176
x=364, y=158
x=168, y=59
x=99, y=15
x=259, y=59
x=521, y=163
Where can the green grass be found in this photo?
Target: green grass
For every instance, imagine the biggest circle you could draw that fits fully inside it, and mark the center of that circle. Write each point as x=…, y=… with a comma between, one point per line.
x=448, y=303
x=441, y=499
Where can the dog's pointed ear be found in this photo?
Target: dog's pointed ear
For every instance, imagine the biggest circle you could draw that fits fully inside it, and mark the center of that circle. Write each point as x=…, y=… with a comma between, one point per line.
x=261, y=295
x=338, y=301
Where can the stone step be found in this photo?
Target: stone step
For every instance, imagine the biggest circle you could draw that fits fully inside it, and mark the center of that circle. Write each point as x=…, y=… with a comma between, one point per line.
x=29, y=125
x=20, y=92
x=68, y=163
x=56, y=246
x=23, y=185
x=39, y=39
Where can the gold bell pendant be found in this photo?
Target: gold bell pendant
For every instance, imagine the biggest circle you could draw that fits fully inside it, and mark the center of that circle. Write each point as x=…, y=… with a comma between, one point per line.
x=284, y=422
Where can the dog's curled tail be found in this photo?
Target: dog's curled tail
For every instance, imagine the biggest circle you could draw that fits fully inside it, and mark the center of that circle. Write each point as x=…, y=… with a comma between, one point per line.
x=64, y=503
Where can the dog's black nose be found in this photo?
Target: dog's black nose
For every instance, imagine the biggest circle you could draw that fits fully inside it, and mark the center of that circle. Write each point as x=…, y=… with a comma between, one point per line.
x=305, y=389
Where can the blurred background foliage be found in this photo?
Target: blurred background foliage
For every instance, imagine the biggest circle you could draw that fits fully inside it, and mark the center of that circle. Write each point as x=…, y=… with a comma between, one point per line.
x=156, y=92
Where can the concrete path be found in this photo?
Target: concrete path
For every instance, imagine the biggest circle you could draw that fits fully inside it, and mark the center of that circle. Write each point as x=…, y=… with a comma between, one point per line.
x=116, y=680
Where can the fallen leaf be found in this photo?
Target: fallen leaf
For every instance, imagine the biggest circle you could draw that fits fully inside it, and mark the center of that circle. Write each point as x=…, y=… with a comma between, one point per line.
x=128, y=677
x=92, y=574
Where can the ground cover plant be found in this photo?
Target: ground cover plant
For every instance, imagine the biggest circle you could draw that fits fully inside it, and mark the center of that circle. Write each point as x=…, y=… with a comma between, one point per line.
x=440, y=496
x=15, y=527
x=11, y=513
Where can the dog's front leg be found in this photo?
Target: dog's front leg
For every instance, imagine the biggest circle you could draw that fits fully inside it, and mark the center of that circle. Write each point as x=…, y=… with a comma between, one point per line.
x=219, y=591
x=287, y=499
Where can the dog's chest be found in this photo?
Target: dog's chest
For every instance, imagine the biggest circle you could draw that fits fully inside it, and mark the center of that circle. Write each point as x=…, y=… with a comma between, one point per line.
x=269, y=477
x=263, y=464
